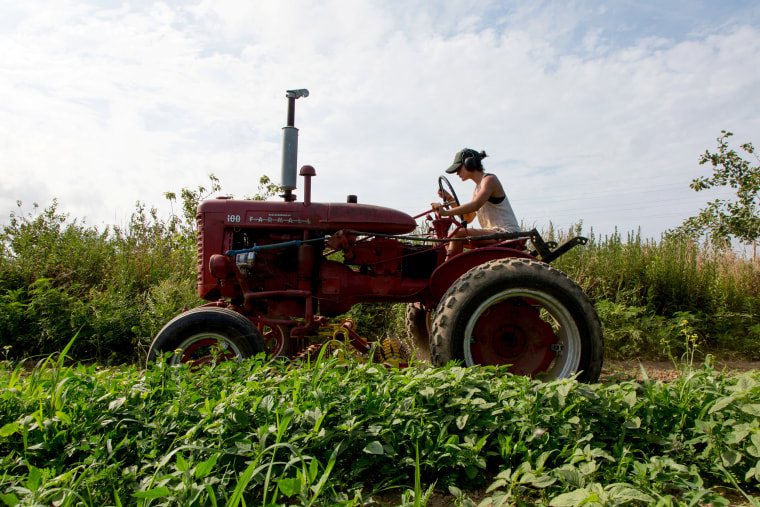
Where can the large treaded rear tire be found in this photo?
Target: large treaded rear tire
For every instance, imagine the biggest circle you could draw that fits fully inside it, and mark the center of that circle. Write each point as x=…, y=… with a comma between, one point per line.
x=207, y=334
x=520, y=312
x=417, y=323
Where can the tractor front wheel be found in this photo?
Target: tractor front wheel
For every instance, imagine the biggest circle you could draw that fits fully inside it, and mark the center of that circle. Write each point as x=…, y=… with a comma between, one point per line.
x=523, y=313
x=206, y=335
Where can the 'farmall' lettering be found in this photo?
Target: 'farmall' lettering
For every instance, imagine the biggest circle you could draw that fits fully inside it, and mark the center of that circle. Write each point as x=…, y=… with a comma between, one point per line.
x=278, y=218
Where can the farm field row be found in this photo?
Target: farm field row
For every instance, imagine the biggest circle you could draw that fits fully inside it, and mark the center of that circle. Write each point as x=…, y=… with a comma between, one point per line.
x=350, y=433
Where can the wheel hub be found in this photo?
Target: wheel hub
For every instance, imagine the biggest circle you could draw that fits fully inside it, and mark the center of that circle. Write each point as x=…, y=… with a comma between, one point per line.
x=513, y=332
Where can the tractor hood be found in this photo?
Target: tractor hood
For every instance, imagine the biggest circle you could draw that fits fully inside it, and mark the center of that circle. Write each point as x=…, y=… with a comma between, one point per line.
x=327, y=217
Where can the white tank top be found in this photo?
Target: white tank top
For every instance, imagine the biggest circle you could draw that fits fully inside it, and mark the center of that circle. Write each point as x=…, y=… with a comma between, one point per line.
x=499, y=217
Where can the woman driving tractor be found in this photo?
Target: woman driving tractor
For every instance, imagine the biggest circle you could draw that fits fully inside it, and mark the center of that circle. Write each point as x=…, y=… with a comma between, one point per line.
x=489, y=201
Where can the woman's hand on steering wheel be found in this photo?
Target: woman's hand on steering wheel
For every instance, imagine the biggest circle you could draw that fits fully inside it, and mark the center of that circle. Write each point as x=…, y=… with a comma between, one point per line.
x=448, y=195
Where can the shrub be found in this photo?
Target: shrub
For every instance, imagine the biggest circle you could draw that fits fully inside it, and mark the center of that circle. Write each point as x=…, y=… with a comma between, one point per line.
x=59, y=278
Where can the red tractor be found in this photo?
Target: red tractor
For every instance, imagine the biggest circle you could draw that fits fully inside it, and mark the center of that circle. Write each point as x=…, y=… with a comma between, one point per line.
x=278, y=274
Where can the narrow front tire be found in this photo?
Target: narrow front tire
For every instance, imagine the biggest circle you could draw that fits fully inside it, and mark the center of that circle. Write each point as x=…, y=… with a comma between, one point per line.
x=205, y=335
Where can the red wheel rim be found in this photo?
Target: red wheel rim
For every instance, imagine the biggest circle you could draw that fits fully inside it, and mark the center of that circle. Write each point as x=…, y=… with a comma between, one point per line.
x=512, y=332
x=206, y=351
x=274, y=339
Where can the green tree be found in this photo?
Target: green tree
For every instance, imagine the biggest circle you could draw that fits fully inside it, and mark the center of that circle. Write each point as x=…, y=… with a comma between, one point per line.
x=191, y=199
x=266, y=189
x=724, y=219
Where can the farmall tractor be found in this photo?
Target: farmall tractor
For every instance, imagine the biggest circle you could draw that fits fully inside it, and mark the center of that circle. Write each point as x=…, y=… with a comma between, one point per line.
x=278, y=276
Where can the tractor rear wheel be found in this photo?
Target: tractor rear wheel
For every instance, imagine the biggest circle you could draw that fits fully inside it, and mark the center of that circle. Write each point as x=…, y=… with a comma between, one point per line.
x=523, y=313
x=418, y=331
x=206, y=335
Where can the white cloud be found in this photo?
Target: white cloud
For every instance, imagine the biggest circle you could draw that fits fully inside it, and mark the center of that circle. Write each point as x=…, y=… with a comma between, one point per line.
x=105, y=106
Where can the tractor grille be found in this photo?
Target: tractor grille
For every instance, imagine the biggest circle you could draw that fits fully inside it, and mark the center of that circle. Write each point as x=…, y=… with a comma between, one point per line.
x=199, y=221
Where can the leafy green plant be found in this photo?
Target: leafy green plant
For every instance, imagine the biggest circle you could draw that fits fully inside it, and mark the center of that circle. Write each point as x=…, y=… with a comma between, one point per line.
x=337, y=432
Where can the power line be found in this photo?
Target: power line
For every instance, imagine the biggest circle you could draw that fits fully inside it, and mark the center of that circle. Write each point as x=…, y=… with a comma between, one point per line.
x=585, y=196
x=609, y=208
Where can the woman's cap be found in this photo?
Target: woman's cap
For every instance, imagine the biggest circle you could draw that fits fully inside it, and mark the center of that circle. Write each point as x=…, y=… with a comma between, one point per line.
x=460, y=157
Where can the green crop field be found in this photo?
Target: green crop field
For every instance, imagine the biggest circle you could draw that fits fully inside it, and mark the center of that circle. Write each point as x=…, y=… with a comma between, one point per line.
x=341, y=432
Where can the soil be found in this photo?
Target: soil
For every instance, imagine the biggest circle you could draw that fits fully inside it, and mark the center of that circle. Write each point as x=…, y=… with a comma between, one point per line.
x=613, y=371
x=666, y=370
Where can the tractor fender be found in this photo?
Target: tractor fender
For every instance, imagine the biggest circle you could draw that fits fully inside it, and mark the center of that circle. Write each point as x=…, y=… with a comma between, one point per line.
x=450, y=271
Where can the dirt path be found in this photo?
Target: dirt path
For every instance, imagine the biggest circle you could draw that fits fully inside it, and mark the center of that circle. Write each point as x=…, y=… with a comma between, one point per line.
x=665, y=370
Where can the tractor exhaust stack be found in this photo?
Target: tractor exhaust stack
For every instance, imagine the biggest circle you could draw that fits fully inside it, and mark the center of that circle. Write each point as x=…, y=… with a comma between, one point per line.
x=290, y=146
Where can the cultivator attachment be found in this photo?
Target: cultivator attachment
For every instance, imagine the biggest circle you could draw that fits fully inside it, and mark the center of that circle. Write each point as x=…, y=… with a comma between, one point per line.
x=342, y=342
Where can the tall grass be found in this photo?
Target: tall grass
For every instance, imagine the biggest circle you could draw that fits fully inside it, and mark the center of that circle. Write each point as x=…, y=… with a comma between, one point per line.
x=644, y=289
x=118, y=286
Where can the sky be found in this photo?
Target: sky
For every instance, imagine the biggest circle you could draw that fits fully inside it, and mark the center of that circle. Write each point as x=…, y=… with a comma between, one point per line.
x=591, y=112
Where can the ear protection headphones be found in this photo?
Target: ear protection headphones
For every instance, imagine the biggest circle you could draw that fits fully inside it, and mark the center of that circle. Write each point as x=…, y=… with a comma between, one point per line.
x=471, y=160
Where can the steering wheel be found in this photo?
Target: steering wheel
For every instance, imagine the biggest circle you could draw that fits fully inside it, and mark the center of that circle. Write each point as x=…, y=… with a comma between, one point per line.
x=447, y=204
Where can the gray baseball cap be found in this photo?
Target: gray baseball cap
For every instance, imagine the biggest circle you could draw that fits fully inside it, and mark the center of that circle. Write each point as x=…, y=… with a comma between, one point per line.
x=459, y=159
